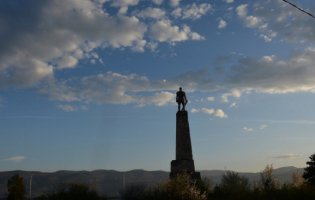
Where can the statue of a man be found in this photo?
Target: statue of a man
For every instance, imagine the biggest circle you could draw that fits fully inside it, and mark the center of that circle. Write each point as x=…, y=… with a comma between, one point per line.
x=181, y=99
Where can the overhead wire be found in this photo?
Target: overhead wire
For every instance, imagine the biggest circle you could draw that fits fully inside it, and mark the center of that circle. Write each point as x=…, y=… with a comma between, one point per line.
x=299, y=8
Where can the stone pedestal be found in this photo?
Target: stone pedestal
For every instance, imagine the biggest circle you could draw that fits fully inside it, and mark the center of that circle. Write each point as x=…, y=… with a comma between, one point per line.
x=184, y=158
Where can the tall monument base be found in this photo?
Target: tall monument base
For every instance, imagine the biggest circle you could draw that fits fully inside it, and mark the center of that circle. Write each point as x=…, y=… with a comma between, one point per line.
x=184, y=158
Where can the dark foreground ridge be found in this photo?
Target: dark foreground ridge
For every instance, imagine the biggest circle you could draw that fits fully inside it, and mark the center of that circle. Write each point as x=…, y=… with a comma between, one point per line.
x=110, y=181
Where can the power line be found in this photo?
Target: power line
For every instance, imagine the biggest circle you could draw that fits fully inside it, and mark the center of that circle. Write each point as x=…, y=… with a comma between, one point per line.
x=299, y=8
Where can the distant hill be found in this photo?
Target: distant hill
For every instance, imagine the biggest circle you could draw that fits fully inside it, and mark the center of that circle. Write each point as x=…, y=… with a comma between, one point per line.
x=110, y=181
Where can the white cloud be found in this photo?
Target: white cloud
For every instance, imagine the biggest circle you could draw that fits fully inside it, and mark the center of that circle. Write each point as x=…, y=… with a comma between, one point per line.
x=207, y=111
x=195, y=12
x=229, y=1
x=159, y=99
x=163, y=31
x=287, y=156
x=30, y=57
x=282, y=20
x=174, y=3
x=67, y=62
x=250, y=21
x=70, y=108
x=177, y=12
x=152, y=46
x=233, y=105
x=265, y=37
x=123, y=10
x=193, y=110
x=158, y=2
x=248, y=129
x=217, y=113
x=155, y=13
x=242, y=10
x=233, y=92
x=262, y=127
x=122, y=89
x=66, y=108
x=271, y=75
x=210, y=98
x=220, y=113
x=16, y=159
x=222, y=24
x=124, y=3
x=139, y=46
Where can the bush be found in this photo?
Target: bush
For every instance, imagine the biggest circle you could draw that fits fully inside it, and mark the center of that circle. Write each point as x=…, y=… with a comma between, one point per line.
x=73, y=191
x=133, y=192
x=267, y=179
x=234, y=181
x=297, y=179
x=181, y=187
x=204, y=185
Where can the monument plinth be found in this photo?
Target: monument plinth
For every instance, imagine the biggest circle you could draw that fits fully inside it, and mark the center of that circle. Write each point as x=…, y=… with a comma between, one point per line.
x=184, y=157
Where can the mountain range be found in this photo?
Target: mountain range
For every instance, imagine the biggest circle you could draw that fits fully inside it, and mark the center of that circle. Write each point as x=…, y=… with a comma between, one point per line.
x=110, y=182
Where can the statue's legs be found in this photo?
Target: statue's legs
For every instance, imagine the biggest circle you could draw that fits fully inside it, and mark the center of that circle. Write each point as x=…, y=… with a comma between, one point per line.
x=184, y=106
x=178, y=106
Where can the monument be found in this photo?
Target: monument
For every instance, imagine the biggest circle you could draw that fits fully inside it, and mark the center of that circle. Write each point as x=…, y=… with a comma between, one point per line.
x=184, y=157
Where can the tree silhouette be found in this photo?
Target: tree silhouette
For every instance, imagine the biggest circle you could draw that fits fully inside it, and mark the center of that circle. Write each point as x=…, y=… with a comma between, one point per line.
x=73, y=191
x=234, y=181
x=267, y=179
x=309, y=171
x=16, y=188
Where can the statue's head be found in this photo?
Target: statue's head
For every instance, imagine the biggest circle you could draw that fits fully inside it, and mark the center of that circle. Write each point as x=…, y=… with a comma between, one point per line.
x=180, y=88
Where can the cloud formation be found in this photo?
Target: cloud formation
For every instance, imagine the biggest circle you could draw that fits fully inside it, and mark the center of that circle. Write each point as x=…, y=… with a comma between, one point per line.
x=233, y=105
x=229, y=1
x=67, y=108
x=122, y=89
x=217, y=113
x=16, y=159
x=163, y=31
x=263, y=127
x=222, y=24
x=287, y=156
x=220, y=113
x=233, y=92
x=158, y=2
x=272, y=75
x=193, y=110
x=282, y=20
x=248, y=129
x=192, y=11
x=30, y=54
x=210, y=98
x=174, y=3
x=149, y=12
x=51, y=43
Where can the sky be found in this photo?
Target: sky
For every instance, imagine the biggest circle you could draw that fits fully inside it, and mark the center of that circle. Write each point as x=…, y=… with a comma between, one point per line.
x=91, y=84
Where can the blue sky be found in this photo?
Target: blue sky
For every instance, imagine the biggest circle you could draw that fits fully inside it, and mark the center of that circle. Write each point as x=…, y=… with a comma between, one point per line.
x=88, y=85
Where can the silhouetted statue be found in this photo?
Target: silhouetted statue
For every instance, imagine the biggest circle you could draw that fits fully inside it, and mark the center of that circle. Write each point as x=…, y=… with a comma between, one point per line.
x=181, y=99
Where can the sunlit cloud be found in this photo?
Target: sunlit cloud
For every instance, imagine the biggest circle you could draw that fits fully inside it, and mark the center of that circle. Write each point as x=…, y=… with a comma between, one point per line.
x=16, y=159
x=193, y=110
x=262, y=127
x=287, y=156
x=248, y=129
